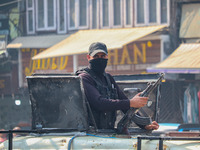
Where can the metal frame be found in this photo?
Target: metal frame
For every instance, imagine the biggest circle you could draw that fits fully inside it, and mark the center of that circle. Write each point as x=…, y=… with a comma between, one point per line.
x=10, y=133
x=161, y=139
x=139, y=138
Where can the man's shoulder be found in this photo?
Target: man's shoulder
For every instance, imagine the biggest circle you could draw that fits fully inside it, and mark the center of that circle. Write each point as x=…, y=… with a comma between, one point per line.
x=109, y=75
x=83, y=74
x=81, y=71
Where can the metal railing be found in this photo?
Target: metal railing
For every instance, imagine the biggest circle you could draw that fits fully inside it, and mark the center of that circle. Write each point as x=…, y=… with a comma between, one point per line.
x=139, y=138
x=161, y=139
x=40, y=131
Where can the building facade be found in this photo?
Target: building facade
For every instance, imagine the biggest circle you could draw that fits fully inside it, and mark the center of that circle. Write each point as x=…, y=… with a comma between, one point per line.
x=43, y=24
x=66, y=17
x=182, y=67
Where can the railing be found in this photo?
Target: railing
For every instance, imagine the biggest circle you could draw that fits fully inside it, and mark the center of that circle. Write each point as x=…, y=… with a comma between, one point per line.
x=139, y=138
x=10, y=133
x=161, y=139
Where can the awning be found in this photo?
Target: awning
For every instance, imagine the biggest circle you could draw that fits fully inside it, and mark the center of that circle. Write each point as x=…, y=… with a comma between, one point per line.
x=79, y=42
x=36, y=41
x=185, y=59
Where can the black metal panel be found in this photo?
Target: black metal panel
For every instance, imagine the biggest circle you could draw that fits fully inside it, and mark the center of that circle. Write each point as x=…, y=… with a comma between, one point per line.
x=172, y=98
x=145, y=111
x=141, y=82
x=57, y=102
x=136, y=77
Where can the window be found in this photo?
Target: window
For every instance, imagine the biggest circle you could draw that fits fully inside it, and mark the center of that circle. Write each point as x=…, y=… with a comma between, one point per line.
x=30, y=16
x=45, y=14
x=140, y=11
x=163, y=10
x=61, y=16
x=40, y=13
x=50, y=14
x=105, y=13
x=78, y=14
x=71, y=8
x=94, y=14
x=128, y=14
x=82, y=12
x=150, y=12
x=117, y=12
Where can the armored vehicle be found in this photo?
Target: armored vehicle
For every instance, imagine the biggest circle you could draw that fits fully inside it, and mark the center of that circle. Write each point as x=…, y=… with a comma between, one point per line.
x=60, y=114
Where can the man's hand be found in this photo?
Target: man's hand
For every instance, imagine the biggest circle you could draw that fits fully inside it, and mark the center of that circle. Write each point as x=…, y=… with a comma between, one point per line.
x=138, y=101
x=153, y=126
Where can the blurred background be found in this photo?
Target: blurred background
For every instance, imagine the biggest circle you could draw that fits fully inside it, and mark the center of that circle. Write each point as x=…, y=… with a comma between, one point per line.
x=143, y=37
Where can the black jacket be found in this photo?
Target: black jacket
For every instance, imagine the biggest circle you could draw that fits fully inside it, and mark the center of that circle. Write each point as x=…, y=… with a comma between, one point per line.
x=104, y=97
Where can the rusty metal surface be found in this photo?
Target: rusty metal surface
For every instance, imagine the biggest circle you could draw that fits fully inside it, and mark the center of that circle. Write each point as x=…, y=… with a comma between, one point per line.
x=84, y=141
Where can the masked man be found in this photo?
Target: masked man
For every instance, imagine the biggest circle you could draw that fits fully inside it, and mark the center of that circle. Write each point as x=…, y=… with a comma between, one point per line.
x=102, y=92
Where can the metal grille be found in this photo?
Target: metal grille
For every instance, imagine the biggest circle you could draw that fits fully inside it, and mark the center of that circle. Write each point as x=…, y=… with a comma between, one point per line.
x=171, y=98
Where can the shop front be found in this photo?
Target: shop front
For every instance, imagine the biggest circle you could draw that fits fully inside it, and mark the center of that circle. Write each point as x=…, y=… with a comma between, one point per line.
x=182, y=86
x=130, y=50
x=132, y=58
x=13, y=85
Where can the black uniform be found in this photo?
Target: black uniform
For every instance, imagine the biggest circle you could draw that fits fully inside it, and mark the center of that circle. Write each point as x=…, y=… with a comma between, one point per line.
x=104, y=97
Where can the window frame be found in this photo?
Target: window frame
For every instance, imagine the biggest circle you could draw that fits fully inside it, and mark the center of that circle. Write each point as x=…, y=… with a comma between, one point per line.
x=168, y=13
x=77, y=23
x=146, y=13
x=109, y=14
x=46, y=28
x=87, y=15
x=157, y=13
x=68, y=15
x=97, y=14
x=131, y=14
x=27, y=17
x=58, y=17
x=121, y=13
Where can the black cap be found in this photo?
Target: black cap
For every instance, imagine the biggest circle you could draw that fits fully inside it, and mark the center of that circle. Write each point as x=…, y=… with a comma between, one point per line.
x=96, y=48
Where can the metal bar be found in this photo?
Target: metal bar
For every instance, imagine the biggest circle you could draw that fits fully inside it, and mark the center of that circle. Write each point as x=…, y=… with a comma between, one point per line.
x=169, y=138
x=158, y=98
x=139, y=143
x=10, y=138
x=160, y=144
x=67, y=130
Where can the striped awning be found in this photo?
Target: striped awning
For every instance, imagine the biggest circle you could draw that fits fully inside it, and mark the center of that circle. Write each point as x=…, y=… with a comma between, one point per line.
x=79, y=42
x=185, y=59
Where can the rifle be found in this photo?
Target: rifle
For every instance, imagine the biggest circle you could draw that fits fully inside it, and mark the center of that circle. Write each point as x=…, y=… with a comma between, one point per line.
x=131, y=113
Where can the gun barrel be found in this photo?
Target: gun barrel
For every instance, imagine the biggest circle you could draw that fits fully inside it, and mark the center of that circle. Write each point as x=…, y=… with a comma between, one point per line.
x=151, y=86
x=146, y=92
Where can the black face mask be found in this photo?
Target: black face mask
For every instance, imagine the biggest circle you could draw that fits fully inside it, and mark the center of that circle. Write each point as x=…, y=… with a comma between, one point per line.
x=98, y=65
